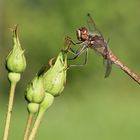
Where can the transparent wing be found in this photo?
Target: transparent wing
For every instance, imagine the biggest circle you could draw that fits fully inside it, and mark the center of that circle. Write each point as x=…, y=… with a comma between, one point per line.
x=108, y=64
x=92, y=25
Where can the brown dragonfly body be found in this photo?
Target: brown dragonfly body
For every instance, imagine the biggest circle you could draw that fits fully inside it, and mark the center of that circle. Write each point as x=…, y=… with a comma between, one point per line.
x=127, y=70
x=93, y=39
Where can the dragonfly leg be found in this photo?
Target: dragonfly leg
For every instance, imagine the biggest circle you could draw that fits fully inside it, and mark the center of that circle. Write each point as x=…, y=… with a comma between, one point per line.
x=73, y=42
x=72, y=51
x=78, y=52
x=86, y=58
x=68, y=43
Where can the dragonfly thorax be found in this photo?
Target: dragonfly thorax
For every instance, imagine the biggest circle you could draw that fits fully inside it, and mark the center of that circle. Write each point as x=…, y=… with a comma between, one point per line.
x=82, y=34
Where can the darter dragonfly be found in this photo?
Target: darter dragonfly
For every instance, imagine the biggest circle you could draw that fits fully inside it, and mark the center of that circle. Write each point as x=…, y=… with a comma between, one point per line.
x=92, y=38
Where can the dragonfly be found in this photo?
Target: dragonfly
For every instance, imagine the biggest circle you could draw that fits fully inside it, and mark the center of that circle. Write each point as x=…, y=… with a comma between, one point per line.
x=92, y=38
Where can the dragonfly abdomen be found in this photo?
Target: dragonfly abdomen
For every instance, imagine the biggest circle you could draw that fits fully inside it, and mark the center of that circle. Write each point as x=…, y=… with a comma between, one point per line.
x=127, y=70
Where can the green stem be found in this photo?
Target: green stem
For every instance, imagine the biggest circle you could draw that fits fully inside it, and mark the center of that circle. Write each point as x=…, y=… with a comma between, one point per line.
x=28, y=126
x=9, y=111
x=36, y=124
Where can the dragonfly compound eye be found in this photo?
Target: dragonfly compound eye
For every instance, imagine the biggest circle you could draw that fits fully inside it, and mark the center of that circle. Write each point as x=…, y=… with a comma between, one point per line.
x=82, y=34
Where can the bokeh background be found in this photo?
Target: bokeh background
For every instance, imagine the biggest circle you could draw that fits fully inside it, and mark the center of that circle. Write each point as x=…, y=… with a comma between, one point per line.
x=90, y=107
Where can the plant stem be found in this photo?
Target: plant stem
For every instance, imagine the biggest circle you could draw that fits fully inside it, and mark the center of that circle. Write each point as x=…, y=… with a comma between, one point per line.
x=36, y=124
x=9, y=111
x=28, y=126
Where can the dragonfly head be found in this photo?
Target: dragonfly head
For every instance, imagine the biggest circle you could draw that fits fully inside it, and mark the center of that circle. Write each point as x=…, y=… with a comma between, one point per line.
x=82, y=34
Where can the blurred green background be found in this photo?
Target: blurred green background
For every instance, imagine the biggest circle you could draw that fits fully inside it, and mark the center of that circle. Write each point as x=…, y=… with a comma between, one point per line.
x=90, y=107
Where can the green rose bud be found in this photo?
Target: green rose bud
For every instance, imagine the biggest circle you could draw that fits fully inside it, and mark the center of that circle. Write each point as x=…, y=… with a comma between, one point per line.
x=47, y=101
x=35, y=91
x=33, y=107
x=15, y=61
x=55, y=77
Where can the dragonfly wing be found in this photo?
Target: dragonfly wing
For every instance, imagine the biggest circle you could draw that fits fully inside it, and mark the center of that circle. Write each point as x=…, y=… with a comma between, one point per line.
x=108, y=64
x=92, y=25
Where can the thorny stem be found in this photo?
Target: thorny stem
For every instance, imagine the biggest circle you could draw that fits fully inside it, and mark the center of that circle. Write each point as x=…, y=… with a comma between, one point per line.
x=9, y=111
x=36, y=124
x=28, y=126
x=126, y=69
